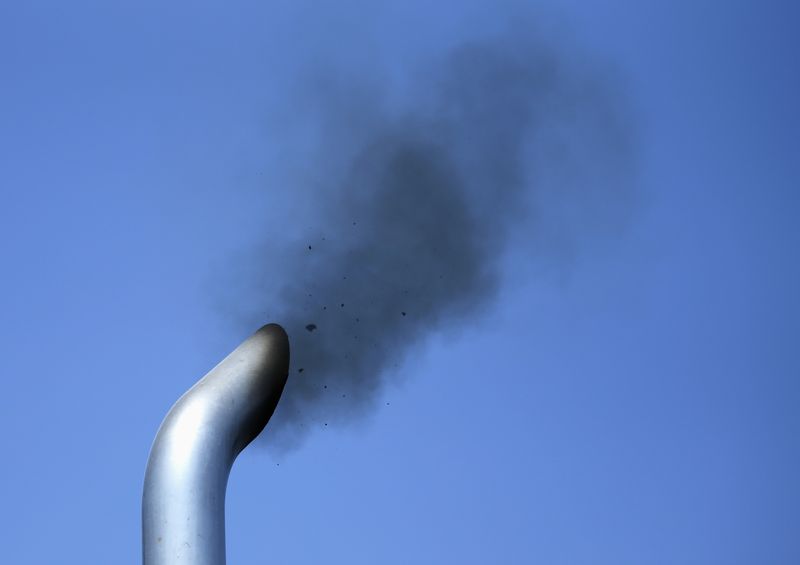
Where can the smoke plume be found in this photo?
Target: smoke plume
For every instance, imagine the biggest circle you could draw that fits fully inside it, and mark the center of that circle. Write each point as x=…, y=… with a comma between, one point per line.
x=417, y=196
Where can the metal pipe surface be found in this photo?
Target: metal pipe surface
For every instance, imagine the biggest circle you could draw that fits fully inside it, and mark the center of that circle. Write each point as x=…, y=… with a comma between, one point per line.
x=183, y=506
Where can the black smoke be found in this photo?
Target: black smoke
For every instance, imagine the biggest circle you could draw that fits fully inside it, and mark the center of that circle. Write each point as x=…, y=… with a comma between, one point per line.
x=417, y=197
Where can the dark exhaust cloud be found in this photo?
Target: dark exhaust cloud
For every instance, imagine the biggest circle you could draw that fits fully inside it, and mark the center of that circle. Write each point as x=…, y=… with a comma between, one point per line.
x=417, y=197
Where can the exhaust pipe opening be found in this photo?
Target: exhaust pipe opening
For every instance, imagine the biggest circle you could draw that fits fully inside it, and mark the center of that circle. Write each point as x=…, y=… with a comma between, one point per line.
x=183, y=505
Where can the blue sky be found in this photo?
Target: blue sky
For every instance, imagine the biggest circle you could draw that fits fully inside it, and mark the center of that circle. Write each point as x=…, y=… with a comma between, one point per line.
x=637, y=404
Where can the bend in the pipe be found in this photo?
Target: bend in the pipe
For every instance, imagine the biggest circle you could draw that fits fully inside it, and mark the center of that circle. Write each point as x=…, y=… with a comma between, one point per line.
x=183, y=507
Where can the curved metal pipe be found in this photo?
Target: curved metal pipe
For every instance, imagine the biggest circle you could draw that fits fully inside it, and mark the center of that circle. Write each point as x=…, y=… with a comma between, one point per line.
x=183, y=507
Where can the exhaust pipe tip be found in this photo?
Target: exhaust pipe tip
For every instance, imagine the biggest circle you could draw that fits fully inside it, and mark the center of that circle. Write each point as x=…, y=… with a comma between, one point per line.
x=183, y=505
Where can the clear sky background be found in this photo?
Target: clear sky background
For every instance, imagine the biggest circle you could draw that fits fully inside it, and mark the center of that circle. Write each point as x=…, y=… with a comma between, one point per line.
x=637, y=404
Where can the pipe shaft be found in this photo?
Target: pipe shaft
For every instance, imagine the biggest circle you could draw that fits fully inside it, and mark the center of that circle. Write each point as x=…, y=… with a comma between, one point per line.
x=183, y=506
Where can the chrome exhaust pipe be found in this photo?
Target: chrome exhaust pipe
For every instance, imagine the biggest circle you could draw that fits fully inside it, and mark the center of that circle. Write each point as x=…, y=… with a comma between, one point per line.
x=183, y=506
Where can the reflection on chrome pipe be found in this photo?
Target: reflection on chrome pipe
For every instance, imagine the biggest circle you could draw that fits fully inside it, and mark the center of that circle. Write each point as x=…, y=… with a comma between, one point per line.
x=183, y=507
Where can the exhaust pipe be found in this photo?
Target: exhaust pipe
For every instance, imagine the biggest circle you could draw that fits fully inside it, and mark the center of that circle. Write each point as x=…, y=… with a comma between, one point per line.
x=183, y=506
